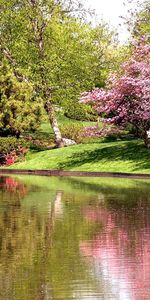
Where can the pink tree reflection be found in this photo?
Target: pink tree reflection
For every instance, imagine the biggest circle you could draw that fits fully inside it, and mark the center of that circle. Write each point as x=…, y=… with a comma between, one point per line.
x=120, y=253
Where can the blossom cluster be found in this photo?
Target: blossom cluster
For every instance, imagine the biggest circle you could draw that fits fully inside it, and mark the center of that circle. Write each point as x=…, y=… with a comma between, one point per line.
x=128, y=100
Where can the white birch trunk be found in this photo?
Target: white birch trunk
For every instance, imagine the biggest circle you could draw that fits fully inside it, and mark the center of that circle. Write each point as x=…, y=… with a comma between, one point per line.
x=53, y=121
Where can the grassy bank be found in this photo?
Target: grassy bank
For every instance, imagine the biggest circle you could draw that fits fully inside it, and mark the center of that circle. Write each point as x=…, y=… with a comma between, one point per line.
x=120, y=156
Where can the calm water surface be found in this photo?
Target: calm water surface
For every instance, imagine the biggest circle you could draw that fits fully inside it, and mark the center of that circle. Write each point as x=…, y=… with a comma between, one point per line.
x=72, y=238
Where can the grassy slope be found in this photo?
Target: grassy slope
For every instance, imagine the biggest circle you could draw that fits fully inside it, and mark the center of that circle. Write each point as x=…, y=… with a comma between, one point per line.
x=121, y=156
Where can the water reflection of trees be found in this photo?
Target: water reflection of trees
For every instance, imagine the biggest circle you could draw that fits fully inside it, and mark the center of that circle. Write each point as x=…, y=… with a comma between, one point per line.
x=34, y=263
x=44, y=254
x=120, y=250
x=17, y=229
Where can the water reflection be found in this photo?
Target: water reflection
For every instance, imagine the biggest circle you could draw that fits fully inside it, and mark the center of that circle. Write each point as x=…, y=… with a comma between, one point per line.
x=71, y=239
x=120, y=252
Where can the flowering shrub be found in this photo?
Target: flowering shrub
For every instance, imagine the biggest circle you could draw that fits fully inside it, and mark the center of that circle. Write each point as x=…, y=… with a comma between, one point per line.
x=10, y=150
x=128, y=100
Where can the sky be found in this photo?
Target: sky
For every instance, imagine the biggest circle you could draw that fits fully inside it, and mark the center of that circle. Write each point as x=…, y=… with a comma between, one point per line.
x=110, y=11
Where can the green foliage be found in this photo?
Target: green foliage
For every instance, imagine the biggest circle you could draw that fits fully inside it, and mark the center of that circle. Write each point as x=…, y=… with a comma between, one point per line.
x=19, y=107
x=57, y=51
x=77, y=111
x=8, y=144
x=72, y=131
x=60, y=51
x=85, y=63
x=141, y=26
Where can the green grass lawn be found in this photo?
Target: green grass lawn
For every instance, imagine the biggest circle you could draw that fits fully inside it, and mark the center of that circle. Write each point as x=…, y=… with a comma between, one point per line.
x=94, y=155
x=119, y=156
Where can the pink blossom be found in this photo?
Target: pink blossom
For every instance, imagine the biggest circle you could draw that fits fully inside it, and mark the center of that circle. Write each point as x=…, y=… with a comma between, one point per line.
x=128, y=100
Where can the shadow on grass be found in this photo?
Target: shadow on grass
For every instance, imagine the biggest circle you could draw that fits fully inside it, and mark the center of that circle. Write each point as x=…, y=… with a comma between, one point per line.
x=127, y=151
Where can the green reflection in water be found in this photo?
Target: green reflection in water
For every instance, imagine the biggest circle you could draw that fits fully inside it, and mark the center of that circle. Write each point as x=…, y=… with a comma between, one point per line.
x=55, y=233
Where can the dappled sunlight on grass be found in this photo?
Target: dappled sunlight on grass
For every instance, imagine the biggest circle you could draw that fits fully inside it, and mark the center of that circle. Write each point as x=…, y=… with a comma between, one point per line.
x=127, y=154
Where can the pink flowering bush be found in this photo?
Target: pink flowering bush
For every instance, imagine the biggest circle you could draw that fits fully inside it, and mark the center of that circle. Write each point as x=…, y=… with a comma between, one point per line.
x=128, y=100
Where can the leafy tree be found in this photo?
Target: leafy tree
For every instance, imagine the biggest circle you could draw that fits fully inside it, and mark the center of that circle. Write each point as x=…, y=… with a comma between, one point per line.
x=47, y=45
x=19, y=107
x=128, y=100
x=88, y=65
x=142, y=23
x=139, y=21
x=77, y=61
x=28, y=40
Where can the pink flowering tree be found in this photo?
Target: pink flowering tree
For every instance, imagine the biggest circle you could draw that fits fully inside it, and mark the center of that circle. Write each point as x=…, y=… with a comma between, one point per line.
x=128, y=99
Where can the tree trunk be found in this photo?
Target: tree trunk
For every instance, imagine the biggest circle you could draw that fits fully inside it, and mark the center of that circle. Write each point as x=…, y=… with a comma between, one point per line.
x=146, y=140
x=53, y=121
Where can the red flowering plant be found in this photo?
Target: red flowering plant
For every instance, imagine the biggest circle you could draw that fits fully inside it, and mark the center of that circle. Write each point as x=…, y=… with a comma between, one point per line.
x=11, y=149
x=128, y=100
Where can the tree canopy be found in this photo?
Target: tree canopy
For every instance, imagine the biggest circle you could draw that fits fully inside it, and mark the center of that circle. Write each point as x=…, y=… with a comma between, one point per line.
x=139, y=23
x=128, y=99
x=49, y=46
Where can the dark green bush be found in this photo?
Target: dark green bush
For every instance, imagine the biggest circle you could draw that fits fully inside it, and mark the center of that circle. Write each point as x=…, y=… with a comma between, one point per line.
x=20, y=107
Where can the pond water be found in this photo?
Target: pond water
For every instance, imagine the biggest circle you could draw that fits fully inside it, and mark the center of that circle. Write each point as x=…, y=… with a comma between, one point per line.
x=74, y=238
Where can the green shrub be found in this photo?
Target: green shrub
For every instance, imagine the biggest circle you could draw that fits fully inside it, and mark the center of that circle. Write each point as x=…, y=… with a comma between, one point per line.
x=7, y=144
x=72, y=131
x=20, y=107
x=80, y=112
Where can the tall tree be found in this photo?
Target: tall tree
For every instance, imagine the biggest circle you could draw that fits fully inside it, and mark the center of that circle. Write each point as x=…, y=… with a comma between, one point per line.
x=47, y=45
